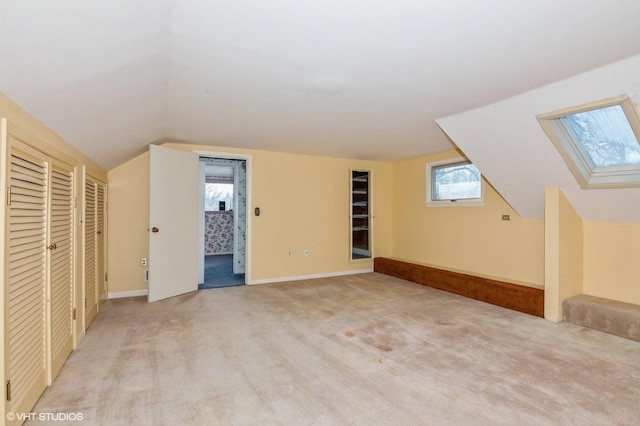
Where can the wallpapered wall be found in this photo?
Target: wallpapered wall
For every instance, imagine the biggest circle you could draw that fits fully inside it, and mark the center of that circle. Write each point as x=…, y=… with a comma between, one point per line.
x=218, y=232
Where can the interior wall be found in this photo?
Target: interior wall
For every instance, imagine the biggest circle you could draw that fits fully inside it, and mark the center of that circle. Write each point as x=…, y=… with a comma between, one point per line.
x=472, y=239
x=15, y=114
x=506, y=141
x=304, y=203
x=564, y=259
x=128, y=224
x=611, y=267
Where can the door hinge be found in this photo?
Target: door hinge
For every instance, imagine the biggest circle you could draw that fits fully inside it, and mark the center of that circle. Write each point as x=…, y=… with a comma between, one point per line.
x=8, y=390
x=73, y=313
x=105, y=276
x=85, y=302
x=8, y=195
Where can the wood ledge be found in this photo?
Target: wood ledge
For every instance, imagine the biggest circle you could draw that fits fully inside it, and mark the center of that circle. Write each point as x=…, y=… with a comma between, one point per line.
x=528, y=300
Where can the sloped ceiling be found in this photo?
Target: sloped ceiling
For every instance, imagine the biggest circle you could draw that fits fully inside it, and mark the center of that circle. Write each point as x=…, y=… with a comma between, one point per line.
x=361, y=78
x=507, y=143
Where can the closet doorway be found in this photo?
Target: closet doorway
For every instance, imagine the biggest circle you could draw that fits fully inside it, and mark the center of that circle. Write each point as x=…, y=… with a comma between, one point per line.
x=223, y=201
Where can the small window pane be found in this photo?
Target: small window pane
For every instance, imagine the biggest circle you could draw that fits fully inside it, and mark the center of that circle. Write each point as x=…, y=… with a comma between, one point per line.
x=606, y=136
x=458, y=181
x=216, y=192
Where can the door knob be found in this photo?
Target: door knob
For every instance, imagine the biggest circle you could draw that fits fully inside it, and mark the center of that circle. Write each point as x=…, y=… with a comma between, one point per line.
x=154, y=229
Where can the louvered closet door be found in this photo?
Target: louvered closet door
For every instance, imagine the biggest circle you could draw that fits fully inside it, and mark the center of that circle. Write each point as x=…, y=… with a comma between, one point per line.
x=26, y=286
x=90, y=256
x=100, y=243
x=60, y=265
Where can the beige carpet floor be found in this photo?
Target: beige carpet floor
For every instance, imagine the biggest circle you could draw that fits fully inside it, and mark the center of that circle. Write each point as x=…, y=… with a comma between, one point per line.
x=358, y=350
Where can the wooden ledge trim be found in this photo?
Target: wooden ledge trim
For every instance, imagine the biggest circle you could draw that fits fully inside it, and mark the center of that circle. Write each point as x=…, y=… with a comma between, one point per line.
x=520, y=298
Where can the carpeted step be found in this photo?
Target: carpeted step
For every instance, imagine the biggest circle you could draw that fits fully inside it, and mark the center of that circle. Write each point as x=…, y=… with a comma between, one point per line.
x=609, y=316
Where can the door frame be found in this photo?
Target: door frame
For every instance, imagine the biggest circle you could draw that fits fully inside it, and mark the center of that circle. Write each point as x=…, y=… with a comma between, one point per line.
x=248, y=159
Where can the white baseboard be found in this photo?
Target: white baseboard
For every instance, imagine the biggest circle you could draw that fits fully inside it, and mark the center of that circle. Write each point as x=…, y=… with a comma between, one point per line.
x=132, y=293
x=310, y=277
x=136, y=293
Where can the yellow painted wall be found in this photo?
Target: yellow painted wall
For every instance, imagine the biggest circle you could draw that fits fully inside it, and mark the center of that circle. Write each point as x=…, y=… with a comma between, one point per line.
x=564, y=262
x=471, y=239
x=611, y=260
x=128, y=222
x=571, y=251
x=15, y=114
x=304, y=202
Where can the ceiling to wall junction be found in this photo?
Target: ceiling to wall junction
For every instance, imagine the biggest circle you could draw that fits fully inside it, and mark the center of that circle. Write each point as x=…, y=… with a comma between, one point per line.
x=357, y=79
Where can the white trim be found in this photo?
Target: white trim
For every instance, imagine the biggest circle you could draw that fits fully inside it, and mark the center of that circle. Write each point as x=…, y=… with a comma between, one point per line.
x=131, y=293
x=310, y=276
x=576, y=157
x=468, y=202
x=249, y=170
x=370, y=207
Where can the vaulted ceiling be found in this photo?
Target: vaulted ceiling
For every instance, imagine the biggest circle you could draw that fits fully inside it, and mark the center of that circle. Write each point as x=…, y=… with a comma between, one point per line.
x=357, y=79
x=360, y=78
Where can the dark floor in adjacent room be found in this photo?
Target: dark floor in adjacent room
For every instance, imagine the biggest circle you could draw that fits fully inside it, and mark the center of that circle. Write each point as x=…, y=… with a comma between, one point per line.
x=218, y=272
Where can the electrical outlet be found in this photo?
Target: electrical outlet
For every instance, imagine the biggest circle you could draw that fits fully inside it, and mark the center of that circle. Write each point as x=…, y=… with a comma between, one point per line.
x=143, y=261
x=289, y=253
x=306, y=252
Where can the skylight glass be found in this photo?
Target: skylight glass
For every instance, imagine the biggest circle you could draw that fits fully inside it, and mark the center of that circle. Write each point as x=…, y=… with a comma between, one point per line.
x=606, y=136
x=598, y=141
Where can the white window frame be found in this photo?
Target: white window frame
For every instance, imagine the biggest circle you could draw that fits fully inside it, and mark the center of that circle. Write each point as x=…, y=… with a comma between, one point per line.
x=573, y=153
x=465, y=202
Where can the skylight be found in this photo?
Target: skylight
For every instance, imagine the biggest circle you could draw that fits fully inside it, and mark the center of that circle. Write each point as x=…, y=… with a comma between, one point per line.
x=598, y=141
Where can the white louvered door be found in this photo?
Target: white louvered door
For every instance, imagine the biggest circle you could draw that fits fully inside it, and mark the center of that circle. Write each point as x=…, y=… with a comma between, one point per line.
x=61, y=265
x=100, y=244
x=90, y=256
x=25, y=290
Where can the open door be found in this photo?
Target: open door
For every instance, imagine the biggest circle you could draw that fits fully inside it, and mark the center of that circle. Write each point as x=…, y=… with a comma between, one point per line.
x=173, y=222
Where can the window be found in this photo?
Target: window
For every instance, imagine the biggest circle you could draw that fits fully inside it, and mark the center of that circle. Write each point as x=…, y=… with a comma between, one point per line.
x=454, y=182
x=216, y=192
x=598, y=141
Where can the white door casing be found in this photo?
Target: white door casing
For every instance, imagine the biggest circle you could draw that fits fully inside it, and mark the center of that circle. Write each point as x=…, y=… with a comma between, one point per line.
x=173, y=222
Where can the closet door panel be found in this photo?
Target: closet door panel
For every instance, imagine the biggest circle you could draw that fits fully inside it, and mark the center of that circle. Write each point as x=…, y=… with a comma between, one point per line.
x=100, y=244
x=90, y=256
x=25, y=290
x=60, y=266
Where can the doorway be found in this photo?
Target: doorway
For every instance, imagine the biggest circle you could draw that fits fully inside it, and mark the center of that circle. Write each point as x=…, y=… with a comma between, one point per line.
x=222, y=222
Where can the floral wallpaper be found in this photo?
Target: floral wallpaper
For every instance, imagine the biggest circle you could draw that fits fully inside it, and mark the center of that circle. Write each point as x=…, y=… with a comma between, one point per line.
x=218, y=233
x=240, y=194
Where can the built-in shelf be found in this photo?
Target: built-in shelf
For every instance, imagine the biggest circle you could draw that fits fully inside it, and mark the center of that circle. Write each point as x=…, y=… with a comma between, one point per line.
x=360, y=215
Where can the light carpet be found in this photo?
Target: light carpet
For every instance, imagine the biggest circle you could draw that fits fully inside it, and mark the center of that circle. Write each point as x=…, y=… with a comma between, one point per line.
x=356, y=350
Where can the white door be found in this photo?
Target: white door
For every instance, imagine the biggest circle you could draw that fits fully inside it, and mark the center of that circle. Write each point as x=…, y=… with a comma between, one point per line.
x=173, y=222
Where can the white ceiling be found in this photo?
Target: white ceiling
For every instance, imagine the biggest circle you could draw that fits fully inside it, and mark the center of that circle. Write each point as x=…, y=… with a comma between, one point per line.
x=359, y=79
x=507, y=143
